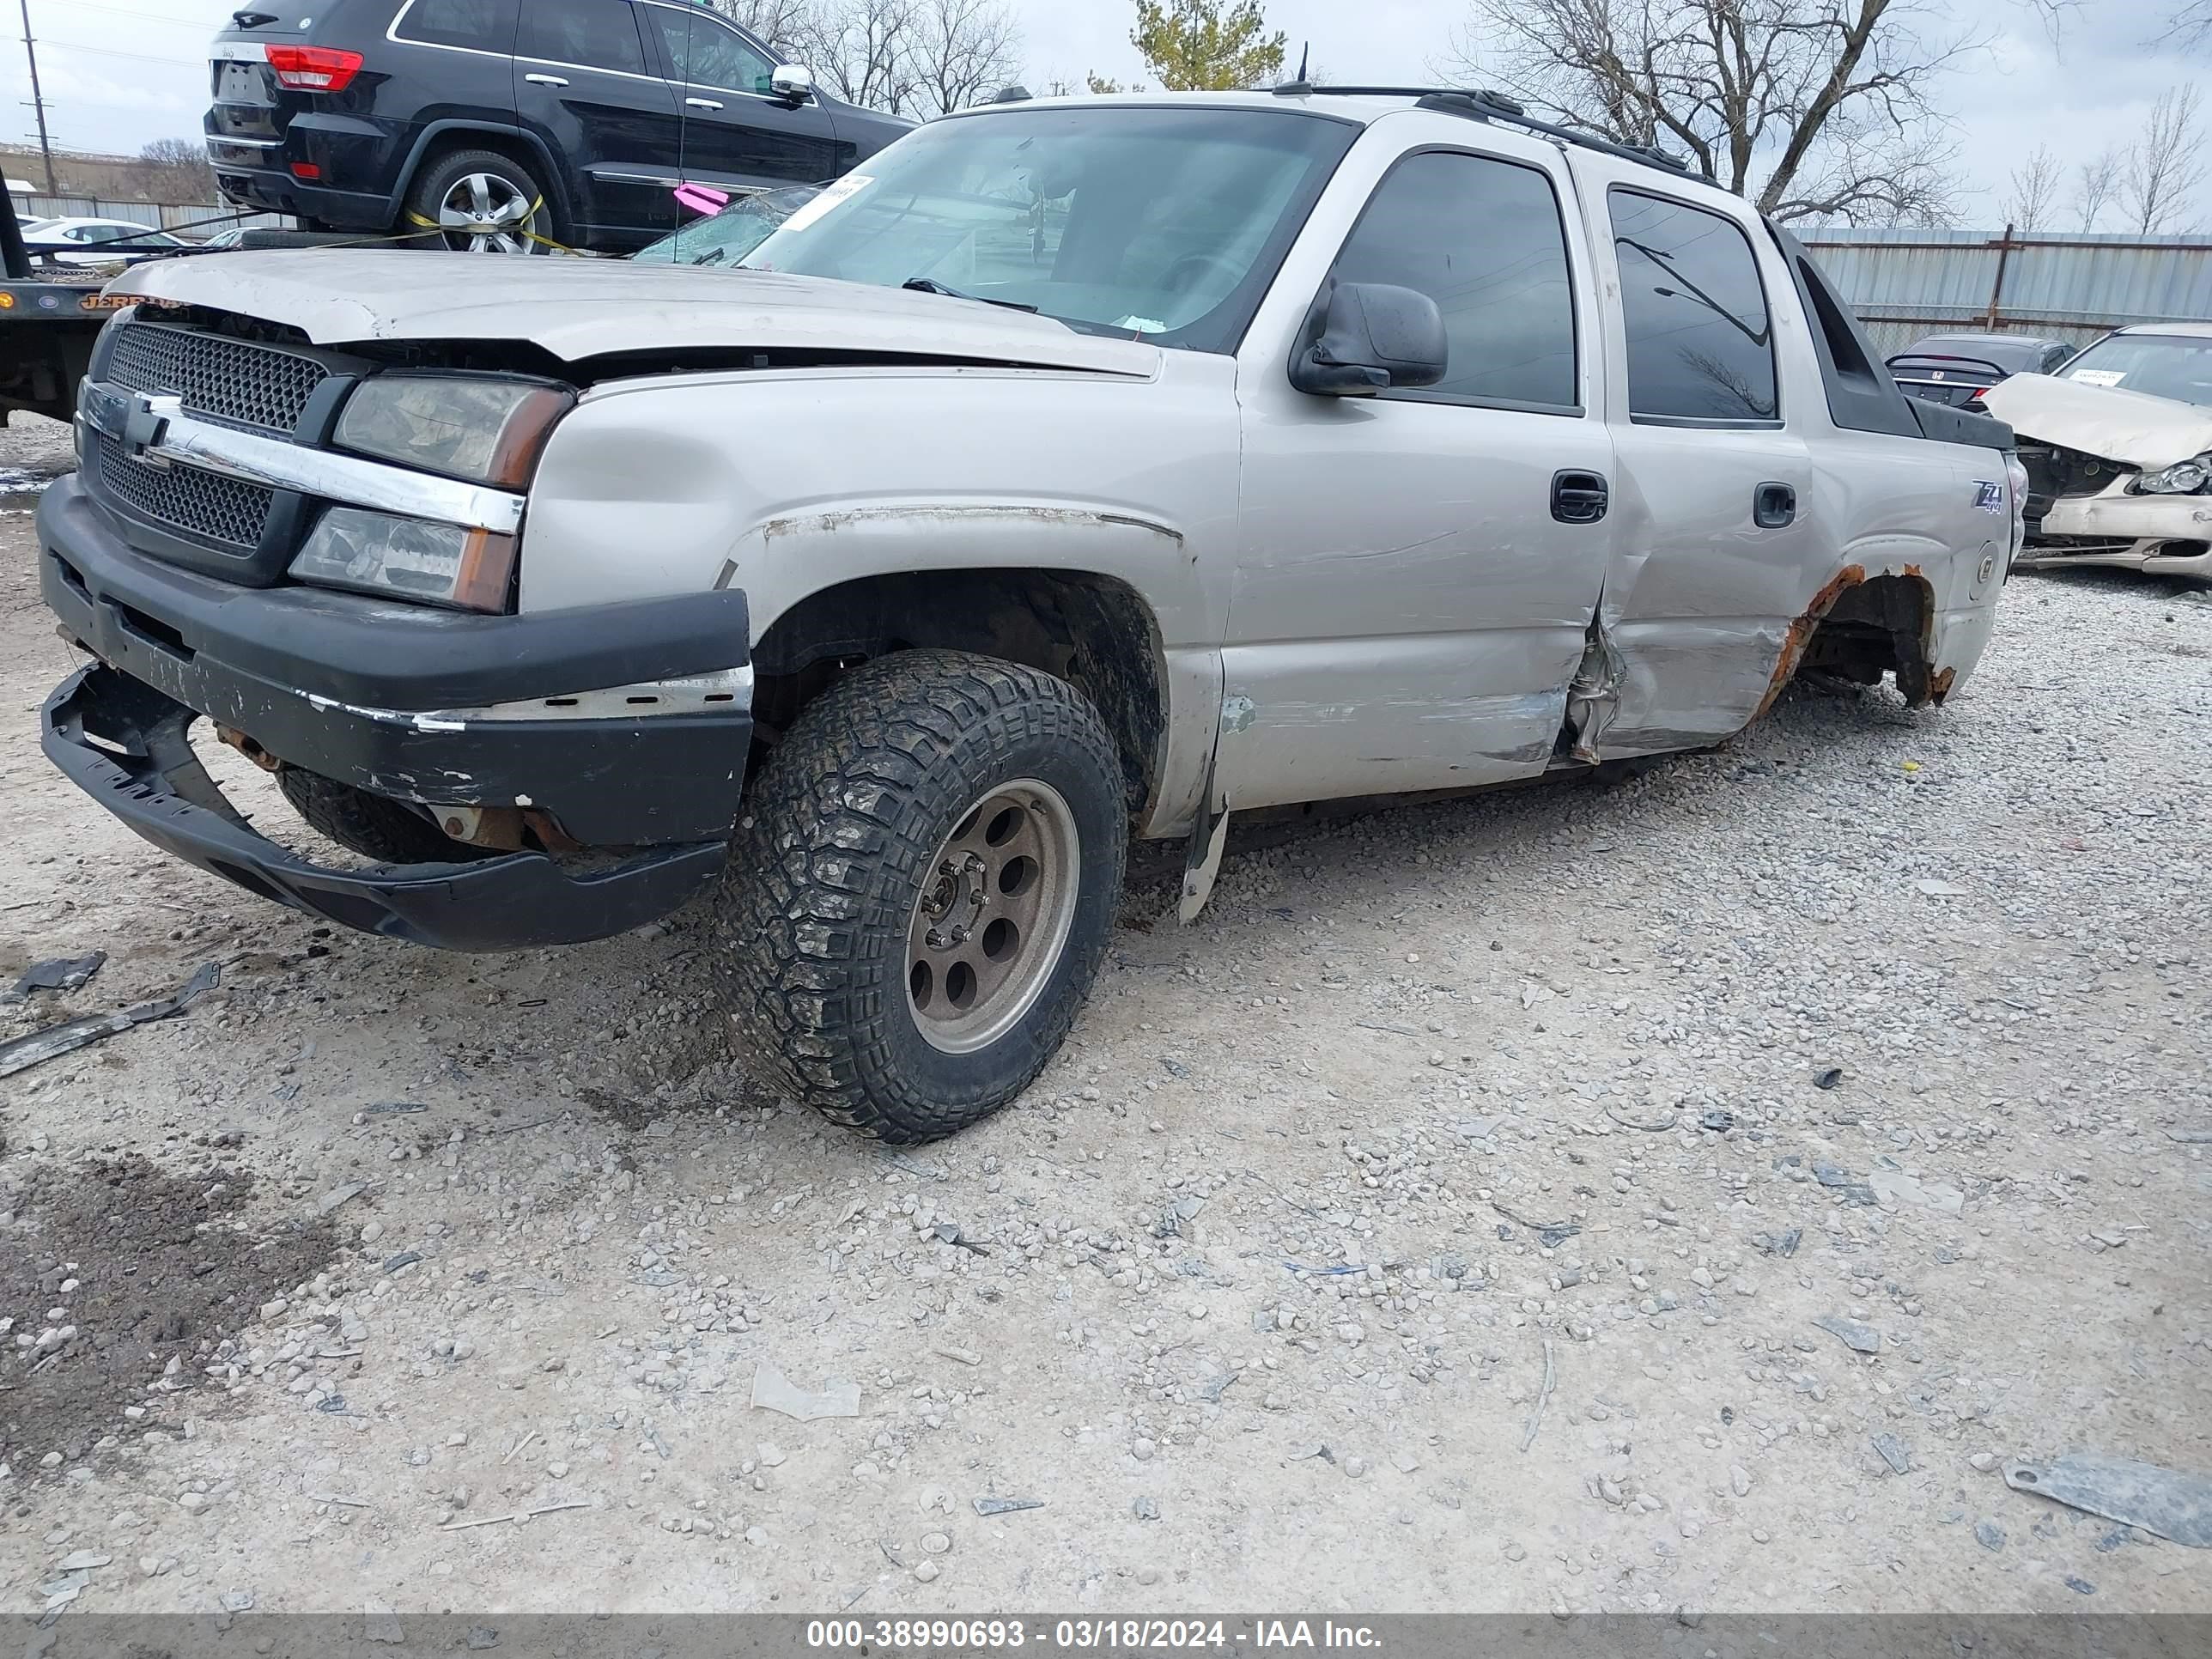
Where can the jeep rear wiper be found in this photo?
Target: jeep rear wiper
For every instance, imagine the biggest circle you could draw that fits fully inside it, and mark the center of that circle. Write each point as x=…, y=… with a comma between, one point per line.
x=931, y=285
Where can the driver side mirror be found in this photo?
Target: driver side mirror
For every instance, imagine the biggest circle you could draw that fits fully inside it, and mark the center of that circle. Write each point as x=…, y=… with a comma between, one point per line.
x=791, y=82
x=1366, y=337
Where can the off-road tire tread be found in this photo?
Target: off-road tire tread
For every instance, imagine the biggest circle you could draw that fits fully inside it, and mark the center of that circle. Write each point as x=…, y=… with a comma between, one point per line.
x=810, y=919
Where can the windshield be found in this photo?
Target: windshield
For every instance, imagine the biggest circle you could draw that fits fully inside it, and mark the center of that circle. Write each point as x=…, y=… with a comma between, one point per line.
x=1163, y=223
x=726, y=237
x=2162, y=365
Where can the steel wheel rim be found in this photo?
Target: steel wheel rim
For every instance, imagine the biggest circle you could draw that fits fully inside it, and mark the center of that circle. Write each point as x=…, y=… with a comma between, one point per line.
x=996, y=901
x=483, y=213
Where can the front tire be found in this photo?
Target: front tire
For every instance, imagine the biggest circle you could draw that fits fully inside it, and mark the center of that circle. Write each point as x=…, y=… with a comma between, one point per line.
x=921, y=888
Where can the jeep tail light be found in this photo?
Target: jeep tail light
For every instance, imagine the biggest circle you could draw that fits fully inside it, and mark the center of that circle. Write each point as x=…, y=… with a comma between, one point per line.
x=313, y=69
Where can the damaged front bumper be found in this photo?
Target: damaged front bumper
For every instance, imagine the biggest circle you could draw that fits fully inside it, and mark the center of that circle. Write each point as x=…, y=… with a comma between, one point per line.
x=439, y=710
x=2163, y=535
x=125, y=744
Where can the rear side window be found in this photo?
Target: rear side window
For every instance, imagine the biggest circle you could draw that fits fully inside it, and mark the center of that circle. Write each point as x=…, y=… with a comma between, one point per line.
x=704, y=53
x=1700, y=346
x=590, y=34
x=1483, y=238
x=481, y=25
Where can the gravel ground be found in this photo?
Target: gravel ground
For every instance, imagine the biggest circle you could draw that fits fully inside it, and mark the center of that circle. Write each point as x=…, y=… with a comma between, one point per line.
x=1447, y=1220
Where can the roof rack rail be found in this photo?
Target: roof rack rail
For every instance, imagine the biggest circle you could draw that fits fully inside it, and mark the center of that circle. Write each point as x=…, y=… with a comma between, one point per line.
x=1478, y=105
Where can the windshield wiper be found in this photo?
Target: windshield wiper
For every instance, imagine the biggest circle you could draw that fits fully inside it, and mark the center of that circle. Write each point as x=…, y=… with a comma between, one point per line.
x=931, y=285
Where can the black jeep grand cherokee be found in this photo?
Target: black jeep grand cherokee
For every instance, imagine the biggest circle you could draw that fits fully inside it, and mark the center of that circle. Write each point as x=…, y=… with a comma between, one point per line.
x=489, y=124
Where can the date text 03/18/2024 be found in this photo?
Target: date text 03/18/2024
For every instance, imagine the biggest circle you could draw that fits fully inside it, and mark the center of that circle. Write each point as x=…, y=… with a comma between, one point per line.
x=1088, y=1635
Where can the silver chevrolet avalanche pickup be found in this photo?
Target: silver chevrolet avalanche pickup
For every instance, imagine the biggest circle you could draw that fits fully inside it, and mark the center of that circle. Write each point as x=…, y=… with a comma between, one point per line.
x=1074, y=470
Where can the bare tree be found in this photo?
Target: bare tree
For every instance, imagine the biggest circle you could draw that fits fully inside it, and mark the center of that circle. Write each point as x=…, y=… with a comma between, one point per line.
x=2192, y=23
x=782, y=24
x=2163, y=169
x=919, y=57
x=864, y=49
x=2034, y=191
x=1812, y=108
x=2095, y=182
x=962, y=51
x=182, y=170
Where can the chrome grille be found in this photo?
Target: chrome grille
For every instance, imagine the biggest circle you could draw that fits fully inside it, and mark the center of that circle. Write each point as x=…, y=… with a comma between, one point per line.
x=222, y=378
x=205, y=505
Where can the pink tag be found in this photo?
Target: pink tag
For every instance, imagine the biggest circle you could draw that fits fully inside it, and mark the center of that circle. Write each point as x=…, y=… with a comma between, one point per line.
x=702, y=198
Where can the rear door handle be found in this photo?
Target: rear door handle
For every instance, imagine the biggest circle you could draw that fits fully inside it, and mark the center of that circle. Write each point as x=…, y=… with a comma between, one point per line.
x=1579, y=497
x=702, y=103
x=1773, y=506
x=545, y=80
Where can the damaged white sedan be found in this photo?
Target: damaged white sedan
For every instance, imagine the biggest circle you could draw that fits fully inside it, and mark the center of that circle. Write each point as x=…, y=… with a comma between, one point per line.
x=2118, y=450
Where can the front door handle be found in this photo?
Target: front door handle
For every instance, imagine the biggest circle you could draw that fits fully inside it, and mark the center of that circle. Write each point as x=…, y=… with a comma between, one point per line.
x=545, y=80
x=1773, y=506
x=1579, y=497
x=702, y=103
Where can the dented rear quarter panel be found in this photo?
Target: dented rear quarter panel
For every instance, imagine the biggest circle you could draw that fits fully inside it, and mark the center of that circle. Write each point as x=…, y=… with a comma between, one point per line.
x=1705, y=615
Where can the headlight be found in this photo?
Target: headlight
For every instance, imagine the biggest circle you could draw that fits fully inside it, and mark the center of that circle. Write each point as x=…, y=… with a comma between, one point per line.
x=2182, y=478
x=408, y=559
x=486, y=431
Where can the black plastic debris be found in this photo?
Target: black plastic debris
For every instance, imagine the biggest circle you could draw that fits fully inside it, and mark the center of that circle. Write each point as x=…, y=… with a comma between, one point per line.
x=2171, y=1502
x=1829, y=1077
x=56, y=974
x=25, y=1052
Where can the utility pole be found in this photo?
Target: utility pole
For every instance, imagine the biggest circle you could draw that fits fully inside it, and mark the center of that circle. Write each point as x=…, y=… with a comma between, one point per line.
x=37, y=102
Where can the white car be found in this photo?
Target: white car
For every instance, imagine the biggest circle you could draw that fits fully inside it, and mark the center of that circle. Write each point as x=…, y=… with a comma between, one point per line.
x=97, y=241
x=2119, y=446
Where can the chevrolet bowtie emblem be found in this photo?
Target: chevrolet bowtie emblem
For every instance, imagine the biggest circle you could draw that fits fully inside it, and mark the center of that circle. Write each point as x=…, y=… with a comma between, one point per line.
x=145, y=420
x=137, y=421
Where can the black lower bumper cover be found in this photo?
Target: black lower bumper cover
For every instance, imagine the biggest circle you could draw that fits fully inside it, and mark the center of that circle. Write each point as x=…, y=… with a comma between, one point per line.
x=143, y=769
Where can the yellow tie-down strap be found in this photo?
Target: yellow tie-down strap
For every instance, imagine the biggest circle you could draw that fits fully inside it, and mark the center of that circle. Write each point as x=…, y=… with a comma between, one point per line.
x=415, y=218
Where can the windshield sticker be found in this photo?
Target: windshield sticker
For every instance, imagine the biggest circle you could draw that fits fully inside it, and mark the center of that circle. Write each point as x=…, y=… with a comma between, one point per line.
x=2099, y=376
x=1143, y=325
x=851, y=185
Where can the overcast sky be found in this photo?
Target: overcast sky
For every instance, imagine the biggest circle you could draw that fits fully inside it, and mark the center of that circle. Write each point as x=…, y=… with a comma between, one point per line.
x=118, y=73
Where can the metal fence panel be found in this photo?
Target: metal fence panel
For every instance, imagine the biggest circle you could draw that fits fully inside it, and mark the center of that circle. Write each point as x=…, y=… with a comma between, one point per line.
x=1903, y=283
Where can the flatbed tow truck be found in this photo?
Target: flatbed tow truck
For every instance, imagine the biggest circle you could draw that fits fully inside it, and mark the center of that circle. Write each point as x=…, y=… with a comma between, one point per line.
x=49, y=317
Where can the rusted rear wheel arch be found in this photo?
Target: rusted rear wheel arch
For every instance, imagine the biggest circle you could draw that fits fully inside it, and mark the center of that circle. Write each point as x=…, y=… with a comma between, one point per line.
x=1861, y=627
x=1094, y=632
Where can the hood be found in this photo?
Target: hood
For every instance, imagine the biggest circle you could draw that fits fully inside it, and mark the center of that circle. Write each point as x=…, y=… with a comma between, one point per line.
x=2131, y=427
x=582, y=308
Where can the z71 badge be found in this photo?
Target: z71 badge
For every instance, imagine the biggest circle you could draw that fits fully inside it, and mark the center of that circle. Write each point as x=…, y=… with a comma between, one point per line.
x=1989, y=497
